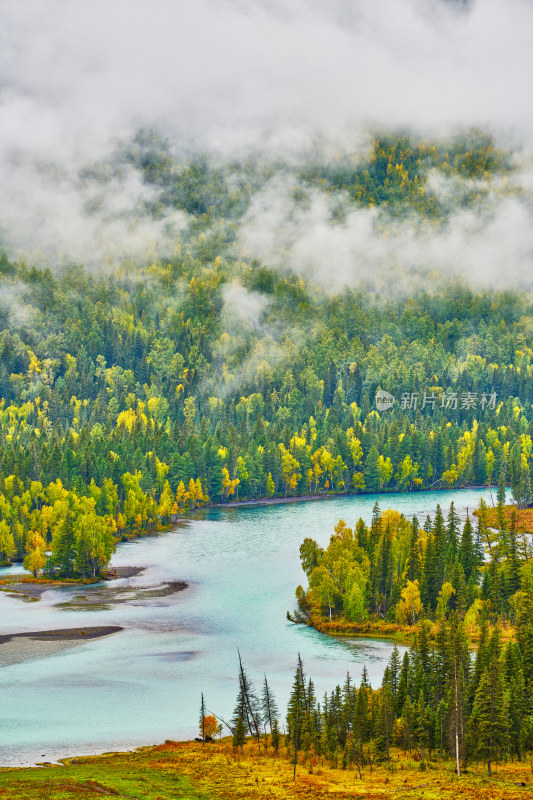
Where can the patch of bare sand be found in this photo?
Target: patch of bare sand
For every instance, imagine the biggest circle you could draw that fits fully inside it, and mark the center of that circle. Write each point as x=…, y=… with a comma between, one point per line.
x=18, y=647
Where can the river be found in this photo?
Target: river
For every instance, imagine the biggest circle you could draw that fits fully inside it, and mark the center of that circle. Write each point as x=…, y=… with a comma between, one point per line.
x=143, y=685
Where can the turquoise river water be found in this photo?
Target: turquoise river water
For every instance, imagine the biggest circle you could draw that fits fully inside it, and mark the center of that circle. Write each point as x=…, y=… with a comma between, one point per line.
x=143, y=685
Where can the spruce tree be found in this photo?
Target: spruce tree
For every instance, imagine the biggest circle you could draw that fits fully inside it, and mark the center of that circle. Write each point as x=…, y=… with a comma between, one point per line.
x=513, y=560
x=295, y=712
x=440, y=550
x=408, y=716
x=501, y=494
x=452, y=532
x=247, y=706
x=239, y=734
x=274, y=739
x=458, y=672
x=403, y=684
x=518, y=706
x=202, y=719
x=370, y=472
x=488, y=725
x=466, y=554
x=421, y=724
x=394, y=666
x=269, y=706
x=413, y=566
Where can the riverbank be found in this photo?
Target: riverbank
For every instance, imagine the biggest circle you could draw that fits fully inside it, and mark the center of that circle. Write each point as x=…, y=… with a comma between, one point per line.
x=29, y=588
x=369, y=629
x=524, y=518
x=15, y=648
x=304, y=498
x=216, y=772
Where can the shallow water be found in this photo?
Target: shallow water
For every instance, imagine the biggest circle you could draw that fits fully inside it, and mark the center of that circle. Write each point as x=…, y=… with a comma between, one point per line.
x=143, y=684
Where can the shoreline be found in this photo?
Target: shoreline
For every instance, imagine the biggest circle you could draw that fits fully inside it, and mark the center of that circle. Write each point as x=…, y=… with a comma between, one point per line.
x=17, y=648
x=304, y=498
x=366, y=630
x=63, y=634
x=27, y=587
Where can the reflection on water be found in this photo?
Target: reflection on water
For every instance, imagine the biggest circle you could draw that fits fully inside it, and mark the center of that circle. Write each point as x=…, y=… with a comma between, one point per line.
x=143, y=685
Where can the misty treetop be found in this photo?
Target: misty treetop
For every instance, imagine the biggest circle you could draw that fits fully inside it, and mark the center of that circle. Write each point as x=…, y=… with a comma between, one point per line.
x=140, y=392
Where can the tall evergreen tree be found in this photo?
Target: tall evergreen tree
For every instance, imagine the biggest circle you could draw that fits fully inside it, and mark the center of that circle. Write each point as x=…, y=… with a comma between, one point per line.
x=247, y=706
x=202, y=719
x=452, y=532
x=269, y=706
x=295, y=712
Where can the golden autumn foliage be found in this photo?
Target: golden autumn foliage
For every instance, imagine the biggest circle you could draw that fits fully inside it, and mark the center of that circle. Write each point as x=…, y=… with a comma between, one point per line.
x=188, y=770
x=524, y=517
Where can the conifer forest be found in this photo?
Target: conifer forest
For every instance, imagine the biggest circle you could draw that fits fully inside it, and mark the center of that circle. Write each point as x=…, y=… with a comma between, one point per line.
x=256, y=260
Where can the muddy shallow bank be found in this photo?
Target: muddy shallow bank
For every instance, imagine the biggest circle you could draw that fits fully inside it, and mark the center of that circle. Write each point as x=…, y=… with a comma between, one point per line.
x=112, y=589
x=64, y=634
x=15, y=648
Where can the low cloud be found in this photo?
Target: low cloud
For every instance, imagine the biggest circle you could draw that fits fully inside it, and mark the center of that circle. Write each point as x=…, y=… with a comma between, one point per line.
x=242, y=307
x=491, y=243
x=238, y=77
x=54, y=214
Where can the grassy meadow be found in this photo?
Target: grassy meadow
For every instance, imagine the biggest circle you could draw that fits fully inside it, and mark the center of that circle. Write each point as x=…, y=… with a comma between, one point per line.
x=191, y=771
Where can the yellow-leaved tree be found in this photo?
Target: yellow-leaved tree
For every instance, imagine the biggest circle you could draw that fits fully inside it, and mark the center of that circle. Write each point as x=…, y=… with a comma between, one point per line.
x=410, y=605
x=36, y=553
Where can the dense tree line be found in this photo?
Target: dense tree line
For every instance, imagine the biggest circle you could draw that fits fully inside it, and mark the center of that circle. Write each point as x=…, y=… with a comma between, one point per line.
x=440, y=701
x=146, y=390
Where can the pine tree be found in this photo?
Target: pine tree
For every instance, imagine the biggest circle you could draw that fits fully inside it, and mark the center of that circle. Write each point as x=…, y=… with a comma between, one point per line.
x=247, y=706
x=269, y=706
x=452, y=532
x=202, y=719
x=295, y=712
x=239, y=734
x=488, y=722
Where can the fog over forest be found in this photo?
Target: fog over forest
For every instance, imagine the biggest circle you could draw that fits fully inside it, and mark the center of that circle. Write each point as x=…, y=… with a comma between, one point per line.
x=281, y=83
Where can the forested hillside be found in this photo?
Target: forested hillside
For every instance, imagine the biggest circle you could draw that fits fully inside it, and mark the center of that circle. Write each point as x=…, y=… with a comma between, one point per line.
x=140, y=390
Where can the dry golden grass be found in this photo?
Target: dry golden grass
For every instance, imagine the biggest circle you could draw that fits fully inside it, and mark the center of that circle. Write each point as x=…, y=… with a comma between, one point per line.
x=374, y=628
x=215, y=771
x=524, y=516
